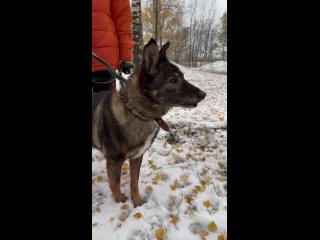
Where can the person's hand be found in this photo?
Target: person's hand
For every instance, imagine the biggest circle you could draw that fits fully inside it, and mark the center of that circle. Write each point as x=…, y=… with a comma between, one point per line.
x=125, y=67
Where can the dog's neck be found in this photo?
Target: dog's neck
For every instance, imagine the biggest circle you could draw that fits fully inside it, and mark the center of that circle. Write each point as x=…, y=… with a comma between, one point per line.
x=144, y=117
x=142, y=106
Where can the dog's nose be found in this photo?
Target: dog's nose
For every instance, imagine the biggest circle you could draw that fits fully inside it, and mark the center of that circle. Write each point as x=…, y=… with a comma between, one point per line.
x=201, y=94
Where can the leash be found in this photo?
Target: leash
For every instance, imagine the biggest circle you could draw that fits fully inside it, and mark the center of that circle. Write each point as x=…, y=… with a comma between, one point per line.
x=110, y=69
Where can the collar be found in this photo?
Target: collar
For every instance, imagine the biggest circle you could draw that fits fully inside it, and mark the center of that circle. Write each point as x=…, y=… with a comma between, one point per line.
x=143, y=116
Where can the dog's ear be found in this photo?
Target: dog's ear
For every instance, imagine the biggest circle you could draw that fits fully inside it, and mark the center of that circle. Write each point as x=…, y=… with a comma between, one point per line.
x=150, y=55
x=163, y=52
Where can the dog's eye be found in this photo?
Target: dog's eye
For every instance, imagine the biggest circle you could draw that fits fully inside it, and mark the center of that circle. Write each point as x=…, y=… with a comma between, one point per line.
x=173, y=80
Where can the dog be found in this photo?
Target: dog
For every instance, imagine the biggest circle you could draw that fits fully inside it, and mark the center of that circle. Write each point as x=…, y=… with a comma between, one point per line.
x=125, y=123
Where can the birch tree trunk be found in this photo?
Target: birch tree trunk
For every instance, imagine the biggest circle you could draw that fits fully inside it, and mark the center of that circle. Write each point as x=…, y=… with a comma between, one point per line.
x=155, y=18
x=137, y=31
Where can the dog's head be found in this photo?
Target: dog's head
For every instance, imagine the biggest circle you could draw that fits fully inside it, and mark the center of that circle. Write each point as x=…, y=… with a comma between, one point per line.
x=163, y=82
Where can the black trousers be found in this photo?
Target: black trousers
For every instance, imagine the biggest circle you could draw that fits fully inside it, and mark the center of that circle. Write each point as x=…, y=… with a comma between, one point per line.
x=99, y=79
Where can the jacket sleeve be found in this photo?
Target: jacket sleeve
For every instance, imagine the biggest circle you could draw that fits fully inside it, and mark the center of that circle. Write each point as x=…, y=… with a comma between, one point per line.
x=122, y=18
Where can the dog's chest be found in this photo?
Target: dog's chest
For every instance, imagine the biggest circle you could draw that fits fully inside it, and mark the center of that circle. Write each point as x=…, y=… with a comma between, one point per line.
x=141, y=139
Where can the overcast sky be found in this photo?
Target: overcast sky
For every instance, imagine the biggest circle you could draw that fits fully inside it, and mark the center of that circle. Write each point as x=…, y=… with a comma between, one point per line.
x=221, y=6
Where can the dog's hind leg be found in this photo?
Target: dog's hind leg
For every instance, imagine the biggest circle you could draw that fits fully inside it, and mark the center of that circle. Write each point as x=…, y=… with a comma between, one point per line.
x=135, y=165
x=114, y=174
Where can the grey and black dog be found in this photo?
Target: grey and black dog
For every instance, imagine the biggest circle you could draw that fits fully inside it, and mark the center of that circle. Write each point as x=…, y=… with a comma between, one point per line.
x=125, y=123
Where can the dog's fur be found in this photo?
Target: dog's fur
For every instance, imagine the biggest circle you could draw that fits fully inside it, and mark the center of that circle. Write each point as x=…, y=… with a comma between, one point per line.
x=123, y=123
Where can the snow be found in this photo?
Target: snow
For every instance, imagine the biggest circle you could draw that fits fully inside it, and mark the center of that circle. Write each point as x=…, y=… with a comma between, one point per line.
x=195, y=150
x=215, y=67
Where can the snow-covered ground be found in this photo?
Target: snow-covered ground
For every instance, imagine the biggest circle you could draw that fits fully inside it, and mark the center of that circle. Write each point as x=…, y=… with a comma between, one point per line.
x=215, y=67
x=183, y=176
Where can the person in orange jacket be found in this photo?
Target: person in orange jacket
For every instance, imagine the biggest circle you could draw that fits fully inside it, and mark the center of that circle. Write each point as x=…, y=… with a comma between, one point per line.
x=112, y=40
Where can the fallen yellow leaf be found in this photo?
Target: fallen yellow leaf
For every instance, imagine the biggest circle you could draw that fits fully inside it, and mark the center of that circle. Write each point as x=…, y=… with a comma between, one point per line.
x=189, y=198
x=175, y=185
x=164, y=176
x=185, y=178
x=149, y=189
x=138, y=215
x=203, y=233
x=99, y=158
x=153, y=167
x=220, y=237
x=174, y=219
x=221, y=179
x=207, y=203
x=100, y=178
x=156, y=178
x=122, y=217
x=94, y=224
x=221, y=165
x=212, y=227
x=160, y=234
x=125, y=206
x=202, y=148
x=125, y=166
x=208, y=179
x=202, y=188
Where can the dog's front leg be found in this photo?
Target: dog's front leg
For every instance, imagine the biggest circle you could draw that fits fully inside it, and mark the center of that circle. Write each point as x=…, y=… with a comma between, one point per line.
x=135, y=165
x=114, y=173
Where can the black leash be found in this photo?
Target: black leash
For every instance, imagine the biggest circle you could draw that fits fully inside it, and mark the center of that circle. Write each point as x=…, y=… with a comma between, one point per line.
x=110, y=69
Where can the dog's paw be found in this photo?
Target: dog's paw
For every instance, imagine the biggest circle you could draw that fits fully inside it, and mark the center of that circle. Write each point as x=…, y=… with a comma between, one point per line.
x=121, y=198
x=138, y=201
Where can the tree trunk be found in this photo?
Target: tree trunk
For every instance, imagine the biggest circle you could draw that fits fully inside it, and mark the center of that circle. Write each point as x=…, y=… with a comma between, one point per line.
x=223, y=52
x=137, y=31
x=155, y=18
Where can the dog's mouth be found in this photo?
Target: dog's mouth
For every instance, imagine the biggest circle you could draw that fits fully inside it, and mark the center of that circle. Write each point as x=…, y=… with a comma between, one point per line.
x=183, y=104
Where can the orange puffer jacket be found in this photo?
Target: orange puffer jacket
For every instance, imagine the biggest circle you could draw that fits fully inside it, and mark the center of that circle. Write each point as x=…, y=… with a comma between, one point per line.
x=111, y=32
